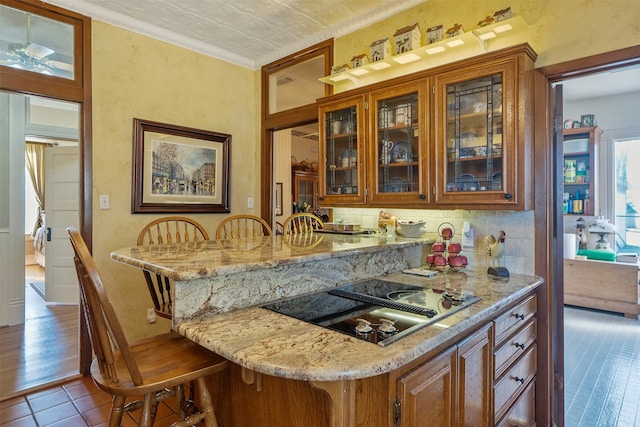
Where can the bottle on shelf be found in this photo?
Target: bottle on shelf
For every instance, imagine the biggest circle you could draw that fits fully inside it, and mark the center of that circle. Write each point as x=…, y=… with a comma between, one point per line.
x=570, y=204
x=577, y=203
x=586, y=204
x=565, y=203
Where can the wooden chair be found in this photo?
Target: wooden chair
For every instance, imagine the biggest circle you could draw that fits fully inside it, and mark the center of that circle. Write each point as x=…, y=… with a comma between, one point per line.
x=243, y=227
x=302, y=223
x=165, y=231
x=156, y=368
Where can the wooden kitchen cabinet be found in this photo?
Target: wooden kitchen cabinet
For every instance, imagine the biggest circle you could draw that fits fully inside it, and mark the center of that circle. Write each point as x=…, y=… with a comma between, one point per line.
x=581, y=149
x=515, y=361
x=399, y=162
x=305, y=188
x=454, y=136
x=483, y=143
x=452, y=389
x=342, y=152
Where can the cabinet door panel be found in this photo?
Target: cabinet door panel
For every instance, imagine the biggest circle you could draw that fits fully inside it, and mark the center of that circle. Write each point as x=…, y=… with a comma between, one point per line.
x=427, y=394
x=475, y=369
x=342, y=152
x=399, y=155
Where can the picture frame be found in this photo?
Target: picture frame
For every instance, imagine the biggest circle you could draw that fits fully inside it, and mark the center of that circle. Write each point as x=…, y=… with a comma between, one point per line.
x=177, y=169
x=278, y=199
x=587, y=120
x=568, y=123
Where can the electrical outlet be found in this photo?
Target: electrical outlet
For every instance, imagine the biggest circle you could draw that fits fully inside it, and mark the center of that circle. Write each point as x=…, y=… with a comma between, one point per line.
x=250, y=202
x=151, y=315
x=467, y=235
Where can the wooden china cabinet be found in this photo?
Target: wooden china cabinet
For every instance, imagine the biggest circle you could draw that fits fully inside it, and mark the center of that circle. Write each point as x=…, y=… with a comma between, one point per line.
x=454, y=136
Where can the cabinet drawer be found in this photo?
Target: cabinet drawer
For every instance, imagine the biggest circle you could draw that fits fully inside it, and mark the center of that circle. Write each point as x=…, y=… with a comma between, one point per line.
x=513, y=347
x=523, y=412
x=514, y=318
x=512, y=383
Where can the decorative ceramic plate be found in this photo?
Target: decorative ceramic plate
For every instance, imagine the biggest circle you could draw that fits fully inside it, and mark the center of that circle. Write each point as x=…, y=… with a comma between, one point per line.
x=401, y=152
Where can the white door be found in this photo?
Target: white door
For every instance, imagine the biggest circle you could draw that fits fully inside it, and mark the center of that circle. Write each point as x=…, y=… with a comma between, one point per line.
x=12, y=125
x=62, y=186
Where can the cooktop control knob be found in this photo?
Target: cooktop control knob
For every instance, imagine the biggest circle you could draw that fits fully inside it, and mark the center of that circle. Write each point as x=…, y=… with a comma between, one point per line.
x=363, y=327
x=387, y=326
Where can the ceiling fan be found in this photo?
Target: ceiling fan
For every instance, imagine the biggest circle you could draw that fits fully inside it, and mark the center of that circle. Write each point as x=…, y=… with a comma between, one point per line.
x=32, y=57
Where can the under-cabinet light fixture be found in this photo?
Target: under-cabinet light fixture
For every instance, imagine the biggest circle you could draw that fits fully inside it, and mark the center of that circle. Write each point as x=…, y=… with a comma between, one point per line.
x=359, y=71
x=434, y=50
x=455, y=43
x=405, y=59
x=379, y=65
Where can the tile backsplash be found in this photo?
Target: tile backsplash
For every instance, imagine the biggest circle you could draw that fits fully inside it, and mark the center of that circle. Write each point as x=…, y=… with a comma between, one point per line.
x=518, y=226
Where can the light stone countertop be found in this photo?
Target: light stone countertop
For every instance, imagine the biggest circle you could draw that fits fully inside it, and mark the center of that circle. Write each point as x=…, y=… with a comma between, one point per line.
x=219, y=287
x=210, y=258
x=278, y=345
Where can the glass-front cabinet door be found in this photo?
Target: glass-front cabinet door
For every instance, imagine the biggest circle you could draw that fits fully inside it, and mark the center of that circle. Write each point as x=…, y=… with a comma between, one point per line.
x=476, y=141
x=342, y=134
x=398, y=153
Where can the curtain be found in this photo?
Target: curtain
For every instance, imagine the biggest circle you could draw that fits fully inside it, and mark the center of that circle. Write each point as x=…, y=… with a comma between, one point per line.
x=35, y=166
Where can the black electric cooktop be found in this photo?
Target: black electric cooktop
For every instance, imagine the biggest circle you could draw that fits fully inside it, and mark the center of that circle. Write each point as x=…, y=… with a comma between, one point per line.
x=375, y=310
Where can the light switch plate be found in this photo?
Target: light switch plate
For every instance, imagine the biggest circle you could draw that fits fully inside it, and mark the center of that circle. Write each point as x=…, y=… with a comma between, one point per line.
x=104, y=201
x=250, y=202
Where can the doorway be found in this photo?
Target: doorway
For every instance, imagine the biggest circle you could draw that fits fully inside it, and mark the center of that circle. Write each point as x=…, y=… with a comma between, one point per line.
x=41, y=345
x=565, y=73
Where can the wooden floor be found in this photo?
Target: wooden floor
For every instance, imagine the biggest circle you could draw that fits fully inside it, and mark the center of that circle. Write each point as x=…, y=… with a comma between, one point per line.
x=601, y=370
x=42, y=351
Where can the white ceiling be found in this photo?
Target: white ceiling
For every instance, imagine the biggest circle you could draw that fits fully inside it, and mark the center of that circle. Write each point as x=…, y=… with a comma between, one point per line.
x=250, y=33
x=624, y=80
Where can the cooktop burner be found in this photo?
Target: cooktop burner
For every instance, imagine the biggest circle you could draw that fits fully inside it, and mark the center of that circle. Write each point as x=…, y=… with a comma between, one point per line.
x=375, y=310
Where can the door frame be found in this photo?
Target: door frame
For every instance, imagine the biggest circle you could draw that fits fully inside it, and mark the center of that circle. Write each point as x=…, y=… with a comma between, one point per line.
x=77, y=90
x=548, y=234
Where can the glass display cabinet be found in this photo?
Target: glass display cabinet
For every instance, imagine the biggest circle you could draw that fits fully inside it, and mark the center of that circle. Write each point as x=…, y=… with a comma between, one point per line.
x=482, y=144
x=474, y=135
x=398, y=160
x=342, y=148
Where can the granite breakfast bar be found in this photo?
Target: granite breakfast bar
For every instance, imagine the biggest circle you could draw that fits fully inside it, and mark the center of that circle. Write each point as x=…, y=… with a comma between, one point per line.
x=279, y=362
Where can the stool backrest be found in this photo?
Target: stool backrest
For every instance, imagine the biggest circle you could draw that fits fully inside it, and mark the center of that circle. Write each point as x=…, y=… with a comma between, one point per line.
x=105, y=331
x=243, y=227
x=166, y=231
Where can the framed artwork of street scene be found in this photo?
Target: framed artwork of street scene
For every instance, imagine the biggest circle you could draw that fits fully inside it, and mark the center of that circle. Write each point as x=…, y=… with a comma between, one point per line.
x=177, y=169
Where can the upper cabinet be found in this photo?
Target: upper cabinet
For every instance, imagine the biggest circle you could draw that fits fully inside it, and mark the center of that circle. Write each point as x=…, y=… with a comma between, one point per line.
x=456, y=136
x=399, y=156
x=581, y=147
x=342, y=152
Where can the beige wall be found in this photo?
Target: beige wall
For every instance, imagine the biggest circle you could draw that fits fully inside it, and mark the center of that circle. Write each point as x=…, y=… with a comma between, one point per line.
x=136, y=76
x=559, y=30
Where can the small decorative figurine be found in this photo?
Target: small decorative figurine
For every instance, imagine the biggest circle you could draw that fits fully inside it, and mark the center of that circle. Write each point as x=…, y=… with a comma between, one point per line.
x=380, y=49
x=495, y=247
x=407, y=39
x=435, y=34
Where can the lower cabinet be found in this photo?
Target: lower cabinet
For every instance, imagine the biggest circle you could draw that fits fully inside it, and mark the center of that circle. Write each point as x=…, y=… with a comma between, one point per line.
x=452, y=389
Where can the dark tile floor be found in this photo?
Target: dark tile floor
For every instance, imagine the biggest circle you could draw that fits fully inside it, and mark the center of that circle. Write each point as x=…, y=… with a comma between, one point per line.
x=78, y=403
x=602, y=369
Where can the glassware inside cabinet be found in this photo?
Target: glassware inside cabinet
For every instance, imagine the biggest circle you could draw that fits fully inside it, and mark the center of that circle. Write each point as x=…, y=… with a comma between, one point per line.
x=341, y=152
x=474, y=135
x=397, y=144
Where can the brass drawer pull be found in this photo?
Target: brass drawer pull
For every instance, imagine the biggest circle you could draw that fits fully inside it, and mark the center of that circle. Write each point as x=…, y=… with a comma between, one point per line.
x=521, y=345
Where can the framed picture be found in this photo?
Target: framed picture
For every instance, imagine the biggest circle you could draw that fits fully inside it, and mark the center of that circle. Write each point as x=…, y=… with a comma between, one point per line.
x=278, y=197
x=568, y=123
x=586, y=119
x=178, y=169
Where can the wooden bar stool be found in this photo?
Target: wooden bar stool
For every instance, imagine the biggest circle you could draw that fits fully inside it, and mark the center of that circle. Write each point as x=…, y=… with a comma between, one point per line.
x=166, y=231
x=156, y=368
